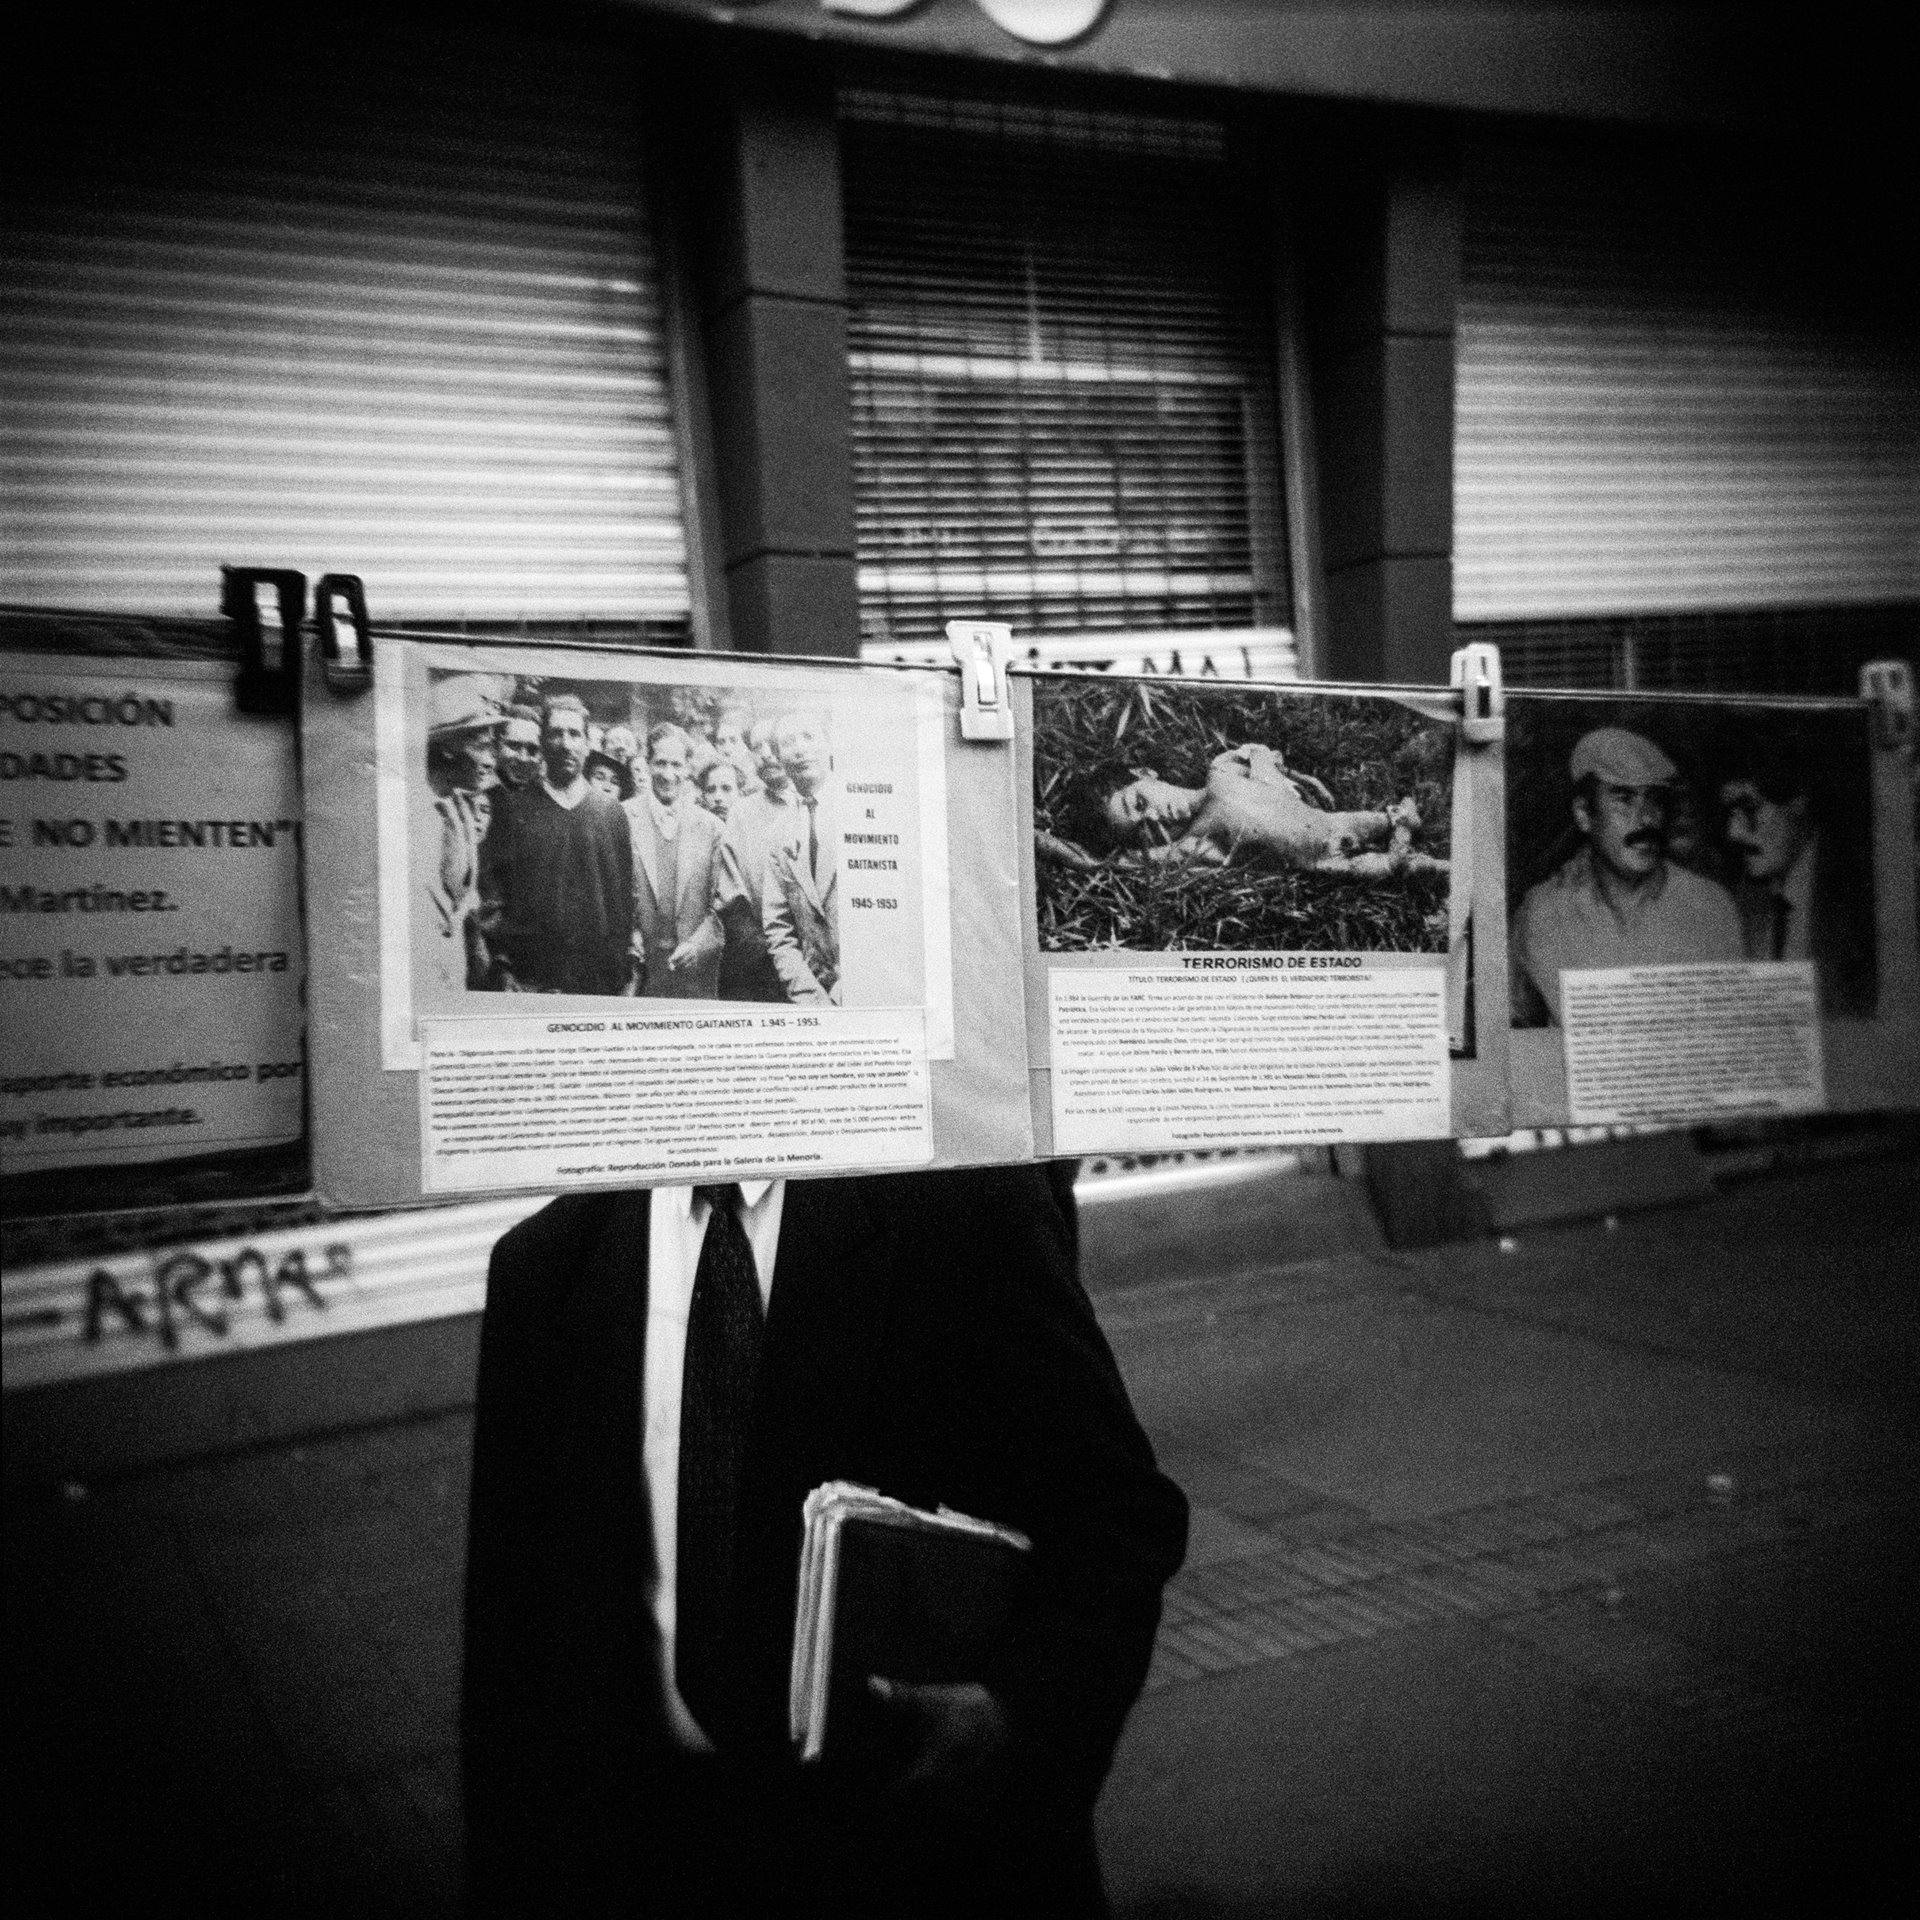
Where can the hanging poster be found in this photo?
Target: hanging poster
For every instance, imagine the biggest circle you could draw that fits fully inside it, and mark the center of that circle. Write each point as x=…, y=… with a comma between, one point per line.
x=1154, y=914
x=655, y=917
x=151, y=962
x=630, y=890
x=1250, y=912
x=1698, y=930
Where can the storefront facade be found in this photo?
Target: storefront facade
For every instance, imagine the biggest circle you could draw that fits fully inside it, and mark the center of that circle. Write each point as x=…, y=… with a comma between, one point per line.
x=807, y=326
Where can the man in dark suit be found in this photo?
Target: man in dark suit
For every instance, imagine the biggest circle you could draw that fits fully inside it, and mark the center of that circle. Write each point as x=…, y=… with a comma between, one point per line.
x=1797, y=898
x=923, y=1334
x=801, y=900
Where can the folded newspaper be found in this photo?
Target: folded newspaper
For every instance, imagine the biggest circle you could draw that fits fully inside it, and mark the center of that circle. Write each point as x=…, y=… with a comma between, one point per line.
x=894, y=1590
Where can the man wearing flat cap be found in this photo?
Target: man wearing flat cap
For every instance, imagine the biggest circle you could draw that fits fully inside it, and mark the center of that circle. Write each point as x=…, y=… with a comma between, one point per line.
x=1619, y=901
x=463, y=724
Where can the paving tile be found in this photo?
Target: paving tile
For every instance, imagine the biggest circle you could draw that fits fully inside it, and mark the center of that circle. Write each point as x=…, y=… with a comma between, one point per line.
x=1278, y=1631
x=1229, y=1583
x=1402, y=1606
x=1170, y=1665
x=1590, y=1511
x=1358, y=1557
x=1273, y=1636
x=1429, y=1585
x=1491, y=1588
x=1336, y=1613
x=1317, y=1565
x=1198, y=1642
x=1213, y=1535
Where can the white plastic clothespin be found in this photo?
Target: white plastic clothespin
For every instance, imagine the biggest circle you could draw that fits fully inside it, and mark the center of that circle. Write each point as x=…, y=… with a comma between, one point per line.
x=1888, y=686
x=983, y=647
x=1483, y=701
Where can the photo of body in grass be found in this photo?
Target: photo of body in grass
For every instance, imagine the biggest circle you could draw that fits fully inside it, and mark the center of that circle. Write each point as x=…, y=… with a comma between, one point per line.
x=1169, y=815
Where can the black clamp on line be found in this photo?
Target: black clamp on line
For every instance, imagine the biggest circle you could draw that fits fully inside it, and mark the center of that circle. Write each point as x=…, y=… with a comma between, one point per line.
x=1887, y=686
x=263, y=685
x=346, y=664
x=1483, y=700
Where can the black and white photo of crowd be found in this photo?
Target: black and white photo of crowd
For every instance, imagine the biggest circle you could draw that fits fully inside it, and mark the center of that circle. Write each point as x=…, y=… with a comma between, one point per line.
x=629, y=839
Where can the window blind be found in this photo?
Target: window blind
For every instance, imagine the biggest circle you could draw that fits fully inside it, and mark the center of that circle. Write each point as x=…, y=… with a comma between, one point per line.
x=1679, y=390
x=1746, y=650
x=410, y=330
x=1060, y=360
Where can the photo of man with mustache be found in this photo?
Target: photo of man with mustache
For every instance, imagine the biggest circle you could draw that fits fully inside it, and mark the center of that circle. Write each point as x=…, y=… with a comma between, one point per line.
x=1620, y=900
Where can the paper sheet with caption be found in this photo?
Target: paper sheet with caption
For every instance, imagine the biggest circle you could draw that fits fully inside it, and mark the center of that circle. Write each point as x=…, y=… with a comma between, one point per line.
x=670, y=1097
x=1205, y=1051
x=1692, y=1042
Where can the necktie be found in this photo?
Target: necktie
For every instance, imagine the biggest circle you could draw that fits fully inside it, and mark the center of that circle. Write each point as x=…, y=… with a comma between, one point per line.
x=1782, y=914
x=724, y=1325
x=813, y=840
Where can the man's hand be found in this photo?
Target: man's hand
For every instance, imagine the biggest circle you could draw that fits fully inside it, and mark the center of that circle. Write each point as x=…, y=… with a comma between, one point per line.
x=687, y=954
x=960, y=1739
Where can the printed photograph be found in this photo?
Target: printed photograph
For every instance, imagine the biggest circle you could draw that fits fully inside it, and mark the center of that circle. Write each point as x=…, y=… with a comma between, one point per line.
x=1645, y=833
x=628, y=839
x=1176, y=816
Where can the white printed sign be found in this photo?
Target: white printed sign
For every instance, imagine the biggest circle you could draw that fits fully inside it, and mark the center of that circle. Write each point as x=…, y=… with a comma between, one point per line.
x=680, y=1097
x=150, y=956
x=1209, y=1050
x=1692, y=1042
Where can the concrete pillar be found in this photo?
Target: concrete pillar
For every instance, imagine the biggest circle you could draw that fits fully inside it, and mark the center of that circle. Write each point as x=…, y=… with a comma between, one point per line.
x=1381, y=231
x=770, y=263
x=1382, y=273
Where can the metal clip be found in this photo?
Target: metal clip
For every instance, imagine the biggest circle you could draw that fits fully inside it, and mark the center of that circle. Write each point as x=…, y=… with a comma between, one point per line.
x=337, y=596
x=1887, y=685
x=982, y=648
x=1483, y=700
x=265, y=684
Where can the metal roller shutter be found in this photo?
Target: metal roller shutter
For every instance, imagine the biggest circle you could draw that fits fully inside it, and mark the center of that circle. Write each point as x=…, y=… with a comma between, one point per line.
x=412, y=330
x=1061, y=364
x=1669, y=399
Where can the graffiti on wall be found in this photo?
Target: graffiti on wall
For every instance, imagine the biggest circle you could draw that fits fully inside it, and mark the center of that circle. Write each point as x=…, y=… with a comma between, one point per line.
x=187, y=1288
x=165, y=1305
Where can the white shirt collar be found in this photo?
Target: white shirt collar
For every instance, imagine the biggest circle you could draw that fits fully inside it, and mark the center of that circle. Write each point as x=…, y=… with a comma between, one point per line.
x=568, y=797
x=681, y=1199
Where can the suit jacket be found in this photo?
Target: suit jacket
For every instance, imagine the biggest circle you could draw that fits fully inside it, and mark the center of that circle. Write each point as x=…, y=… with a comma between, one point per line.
x=755, y=828
x=663, y=923
x=1840, y=936
x=801, y=918
x=446, y=832
x=926, y=1335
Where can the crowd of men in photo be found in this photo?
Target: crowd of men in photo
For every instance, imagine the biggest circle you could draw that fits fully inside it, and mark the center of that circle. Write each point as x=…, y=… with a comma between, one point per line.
x=697, y=862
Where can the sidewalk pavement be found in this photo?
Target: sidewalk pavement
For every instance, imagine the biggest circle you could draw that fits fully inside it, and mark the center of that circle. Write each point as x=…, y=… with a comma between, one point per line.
x=1574, y=1578
x=1570, y=1578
